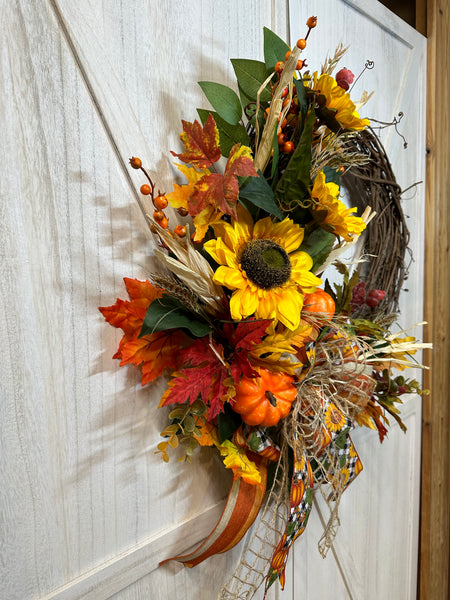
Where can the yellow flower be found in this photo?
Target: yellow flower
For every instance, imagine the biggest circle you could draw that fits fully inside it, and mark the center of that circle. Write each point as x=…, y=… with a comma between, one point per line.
x=339, y=219
x=339, y=102
x=283, y=350
x=259, y=262
x=237, y=460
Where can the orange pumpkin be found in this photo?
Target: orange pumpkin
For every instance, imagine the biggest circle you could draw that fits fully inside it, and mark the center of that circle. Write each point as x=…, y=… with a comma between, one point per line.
x=320, y=302
x=266, y=399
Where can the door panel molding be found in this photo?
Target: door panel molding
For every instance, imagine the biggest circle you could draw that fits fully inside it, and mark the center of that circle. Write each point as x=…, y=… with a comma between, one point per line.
x=123, y=570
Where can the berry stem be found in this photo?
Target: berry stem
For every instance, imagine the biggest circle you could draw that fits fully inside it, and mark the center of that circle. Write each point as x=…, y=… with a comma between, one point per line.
x=152, y=185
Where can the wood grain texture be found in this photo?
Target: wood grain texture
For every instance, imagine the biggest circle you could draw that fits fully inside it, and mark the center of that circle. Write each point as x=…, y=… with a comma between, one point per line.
x=86, y=505
x=86, y=85
x=376, y=549
x=434, y=583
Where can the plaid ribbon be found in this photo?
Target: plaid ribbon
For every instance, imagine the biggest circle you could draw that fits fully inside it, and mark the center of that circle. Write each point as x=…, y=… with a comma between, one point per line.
x=335, y=461
x=299, y=509
x=256, y=440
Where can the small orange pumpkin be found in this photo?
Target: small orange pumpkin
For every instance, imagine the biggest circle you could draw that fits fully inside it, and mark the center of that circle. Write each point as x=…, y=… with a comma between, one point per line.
x=319, y=302
x=266, y=399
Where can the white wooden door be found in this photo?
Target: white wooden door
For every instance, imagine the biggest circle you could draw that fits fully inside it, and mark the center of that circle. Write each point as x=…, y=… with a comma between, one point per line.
x=375, y=551
x=87, y=509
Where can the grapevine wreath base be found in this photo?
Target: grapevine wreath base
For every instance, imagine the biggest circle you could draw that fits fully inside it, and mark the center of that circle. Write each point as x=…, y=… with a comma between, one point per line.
x=266, y=362
x=374, y=184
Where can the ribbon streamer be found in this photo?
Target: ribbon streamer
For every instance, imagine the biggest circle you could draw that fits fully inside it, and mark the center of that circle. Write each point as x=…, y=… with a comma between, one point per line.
x=242, y=506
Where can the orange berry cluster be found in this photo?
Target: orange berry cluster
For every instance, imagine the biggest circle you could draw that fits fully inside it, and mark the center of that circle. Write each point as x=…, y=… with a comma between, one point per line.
x=160, y=201
x=301, y=43
x=289, y=123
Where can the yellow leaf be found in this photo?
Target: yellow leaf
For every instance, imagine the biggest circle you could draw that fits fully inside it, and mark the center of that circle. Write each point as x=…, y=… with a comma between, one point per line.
x=180, y=196
x=237, y=460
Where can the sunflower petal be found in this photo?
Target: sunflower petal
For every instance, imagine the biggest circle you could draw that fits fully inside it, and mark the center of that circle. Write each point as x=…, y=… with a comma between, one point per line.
x=230, y=278
x=289, y=307
x=243, y=303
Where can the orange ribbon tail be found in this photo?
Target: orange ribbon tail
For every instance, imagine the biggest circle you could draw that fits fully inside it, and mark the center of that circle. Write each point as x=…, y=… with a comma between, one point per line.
x=242, y=506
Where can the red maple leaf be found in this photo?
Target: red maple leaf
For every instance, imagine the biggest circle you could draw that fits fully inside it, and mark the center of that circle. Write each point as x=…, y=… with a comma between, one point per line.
x=241, y=338
x=201, y=144
x=249, y=332
x=222, y=191
x=206, y=375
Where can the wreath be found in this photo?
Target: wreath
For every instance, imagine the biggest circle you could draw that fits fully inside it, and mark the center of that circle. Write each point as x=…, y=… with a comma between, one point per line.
x=266, y=362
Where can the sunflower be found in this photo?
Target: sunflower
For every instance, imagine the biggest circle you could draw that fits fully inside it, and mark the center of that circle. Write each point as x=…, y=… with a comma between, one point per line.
x=341, y=111
x=260, y=262
x=339, y=219
x=334, y=418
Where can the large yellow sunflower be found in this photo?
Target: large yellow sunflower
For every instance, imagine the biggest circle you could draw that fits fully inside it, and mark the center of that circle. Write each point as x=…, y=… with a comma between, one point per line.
x=339, y=219
x=339, y=100
x=259, y=262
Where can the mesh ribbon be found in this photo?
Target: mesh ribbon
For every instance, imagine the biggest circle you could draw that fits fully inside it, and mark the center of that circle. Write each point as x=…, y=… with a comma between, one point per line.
x=316, y=452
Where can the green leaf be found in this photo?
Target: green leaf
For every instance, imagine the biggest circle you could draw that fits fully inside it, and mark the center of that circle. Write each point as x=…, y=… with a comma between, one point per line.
x=229, y=135
x=294, y=185
x=227, y=421
x=188, y=424
x=251, y=74
x=318, y=245
x=274, y=49
x=260, y=194
x=332, y=176
x=177, y=413
x=303, y=103
x=198, y=408
x=224, y=100
x=245, y=101
x=169, y=313
x=173, y=442
x=170, y=429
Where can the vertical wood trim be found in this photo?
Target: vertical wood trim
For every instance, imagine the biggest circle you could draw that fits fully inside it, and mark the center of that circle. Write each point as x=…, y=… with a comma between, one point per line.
x=435, y=496
x=421, y=16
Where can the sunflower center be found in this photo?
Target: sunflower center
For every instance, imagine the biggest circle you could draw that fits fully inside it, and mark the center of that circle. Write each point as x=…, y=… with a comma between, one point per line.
x=266, y=264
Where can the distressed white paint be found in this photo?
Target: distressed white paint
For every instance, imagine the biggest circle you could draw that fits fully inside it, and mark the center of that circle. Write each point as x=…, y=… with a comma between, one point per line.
x=87, y=508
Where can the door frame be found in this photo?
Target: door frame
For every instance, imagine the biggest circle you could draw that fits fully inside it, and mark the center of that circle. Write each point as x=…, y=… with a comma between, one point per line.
x=433, y=18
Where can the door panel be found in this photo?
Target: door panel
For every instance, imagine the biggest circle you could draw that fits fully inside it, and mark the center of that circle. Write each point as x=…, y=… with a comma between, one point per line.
x=88, y=509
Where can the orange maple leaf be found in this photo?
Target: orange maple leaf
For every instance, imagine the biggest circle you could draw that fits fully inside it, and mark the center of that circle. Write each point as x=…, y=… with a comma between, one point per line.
x=201, y=143
x=154, y=352
x=208, y=433
x=222, y=191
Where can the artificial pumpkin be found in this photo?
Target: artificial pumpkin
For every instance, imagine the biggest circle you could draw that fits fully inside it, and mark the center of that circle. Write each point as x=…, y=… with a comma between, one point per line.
x=266, y=399
x=320, y=302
